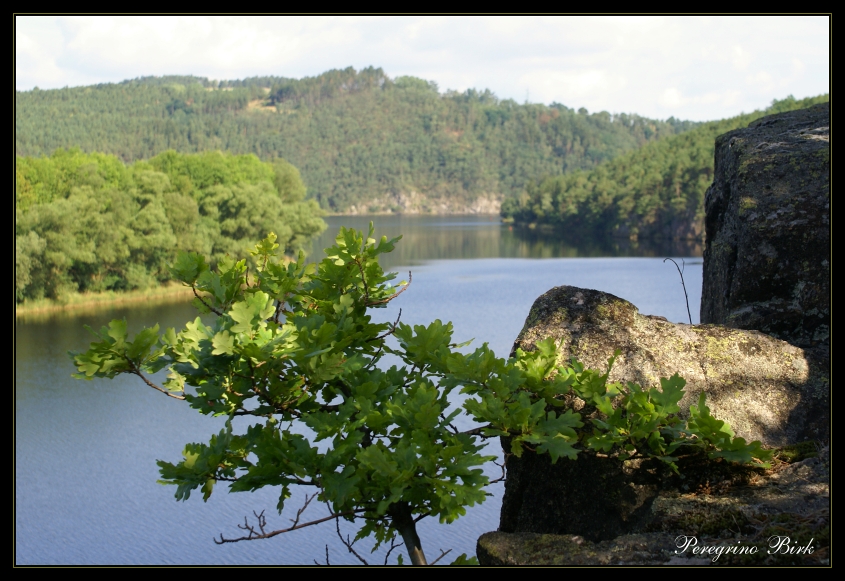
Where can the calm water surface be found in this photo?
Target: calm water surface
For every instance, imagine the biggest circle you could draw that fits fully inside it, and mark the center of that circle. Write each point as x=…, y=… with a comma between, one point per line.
x=85, y=451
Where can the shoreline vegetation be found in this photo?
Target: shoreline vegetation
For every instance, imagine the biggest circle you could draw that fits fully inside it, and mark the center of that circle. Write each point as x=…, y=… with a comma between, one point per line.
x=171, y=292
x=89, y=223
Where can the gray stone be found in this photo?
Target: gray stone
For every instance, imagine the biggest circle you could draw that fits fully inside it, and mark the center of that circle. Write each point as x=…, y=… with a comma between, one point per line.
x=597, y=498
x=767, y=249
x=791, y=500
x=765, y=388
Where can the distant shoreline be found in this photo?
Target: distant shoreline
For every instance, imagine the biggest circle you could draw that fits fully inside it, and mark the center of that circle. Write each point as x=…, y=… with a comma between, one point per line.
x=161, y=294
x=337, y=214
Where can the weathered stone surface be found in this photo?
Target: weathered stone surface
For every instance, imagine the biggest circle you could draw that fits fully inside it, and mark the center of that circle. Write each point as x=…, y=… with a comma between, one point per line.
x=789, y=500
x=766, y=372
x=765, y=388
x=594, y=497
x=498, y=549
x=767, y=249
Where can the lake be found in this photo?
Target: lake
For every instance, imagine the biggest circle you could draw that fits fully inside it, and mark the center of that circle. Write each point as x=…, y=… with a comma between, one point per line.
x=86, y=451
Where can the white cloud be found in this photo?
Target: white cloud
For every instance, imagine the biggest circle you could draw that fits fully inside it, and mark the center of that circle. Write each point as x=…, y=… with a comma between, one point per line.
x=581, y=86
x=672, y=98
x=741, y=58
x=689, y=67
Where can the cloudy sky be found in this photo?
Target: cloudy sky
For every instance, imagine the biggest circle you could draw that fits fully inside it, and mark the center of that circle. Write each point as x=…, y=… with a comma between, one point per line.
x=696, y=68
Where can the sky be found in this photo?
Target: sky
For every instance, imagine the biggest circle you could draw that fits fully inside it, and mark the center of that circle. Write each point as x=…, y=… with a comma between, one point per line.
x=690, y=67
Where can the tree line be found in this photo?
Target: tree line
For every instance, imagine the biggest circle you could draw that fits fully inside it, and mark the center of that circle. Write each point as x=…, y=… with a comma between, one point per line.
x=356, y=136
x=655, y=191
x=87, y=222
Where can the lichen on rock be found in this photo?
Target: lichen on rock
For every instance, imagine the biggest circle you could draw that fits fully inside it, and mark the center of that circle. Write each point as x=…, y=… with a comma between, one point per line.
x=767, y=250
x=765, y=388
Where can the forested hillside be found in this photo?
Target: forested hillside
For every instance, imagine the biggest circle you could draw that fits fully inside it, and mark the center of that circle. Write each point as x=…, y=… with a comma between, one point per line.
x=655, y=191
x=363, y=141
x=89, y=223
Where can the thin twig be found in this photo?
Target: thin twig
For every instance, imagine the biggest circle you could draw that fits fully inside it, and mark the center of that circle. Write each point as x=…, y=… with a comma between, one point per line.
x=392, y=327
x=442, y=554
x=478, y=431
x=682, y=284
x=308, y=500
x=393, y=545
x=327, y=557
x=137, y=372
x=453, y=428
x=364, y=281
x=393, y=296
x=262, y=522
x=502, y=477
x=347, y=543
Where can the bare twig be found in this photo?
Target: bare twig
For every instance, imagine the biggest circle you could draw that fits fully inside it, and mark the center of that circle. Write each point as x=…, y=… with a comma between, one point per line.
x=442, y=554
x=392, y=327
x=308, y=500
x=502, y=477
x=347, y=543
x=327, y=557
x=683, y=284
x=393, y=545
x=261, y=533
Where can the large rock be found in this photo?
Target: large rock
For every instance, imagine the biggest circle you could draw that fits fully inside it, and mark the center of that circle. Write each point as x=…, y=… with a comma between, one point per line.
x=791, y=500
x=767, y=249
x=765, y=388
x=766, y=372
x=598, y=498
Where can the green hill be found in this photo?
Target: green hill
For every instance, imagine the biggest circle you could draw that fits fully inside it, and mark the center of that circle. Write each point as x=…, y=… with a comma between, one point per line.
x=363, y=141
x=656, y=191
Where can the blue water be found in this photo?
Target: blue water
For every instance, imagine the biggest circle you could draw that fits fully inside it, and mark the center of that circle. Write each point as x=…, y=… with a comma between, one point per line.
x=85, y=451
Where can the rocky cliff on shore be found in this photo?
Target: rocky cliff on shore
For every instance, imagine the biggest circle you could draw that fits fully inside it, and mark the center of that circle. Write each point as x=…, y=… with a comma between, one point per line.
x=761, y=356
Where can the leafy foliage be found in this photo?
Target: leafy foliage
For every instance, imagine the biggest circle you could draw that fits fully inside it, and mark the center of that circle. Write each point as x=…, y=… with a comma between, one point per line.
x=87, y=222
x=295, y=347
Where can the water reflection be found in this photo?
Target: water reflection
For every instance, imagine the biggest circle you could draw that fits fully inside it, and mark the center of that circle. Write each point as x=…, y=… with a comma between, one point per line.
x=469, y=237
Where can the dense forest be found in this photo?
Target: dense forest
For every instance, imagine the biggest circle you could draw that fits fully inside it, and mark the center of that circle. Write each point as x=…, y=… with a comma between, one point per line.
x=363, y=141
x=655, y=191
x=86, y=222
x=113, y=180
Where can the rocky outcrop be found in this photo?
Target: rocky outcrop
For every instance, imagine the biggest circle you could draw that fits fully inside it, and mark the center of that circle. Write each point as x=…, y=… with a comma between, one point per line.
x=597, y=498
x=761, y=517
x=767, y=249
x=763, y=363
x=765, y=388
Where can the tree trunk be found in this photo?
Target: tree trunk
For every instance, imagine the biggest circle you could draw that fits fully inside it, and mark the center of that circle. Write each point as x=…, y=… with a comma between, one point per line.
x=403, y=521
